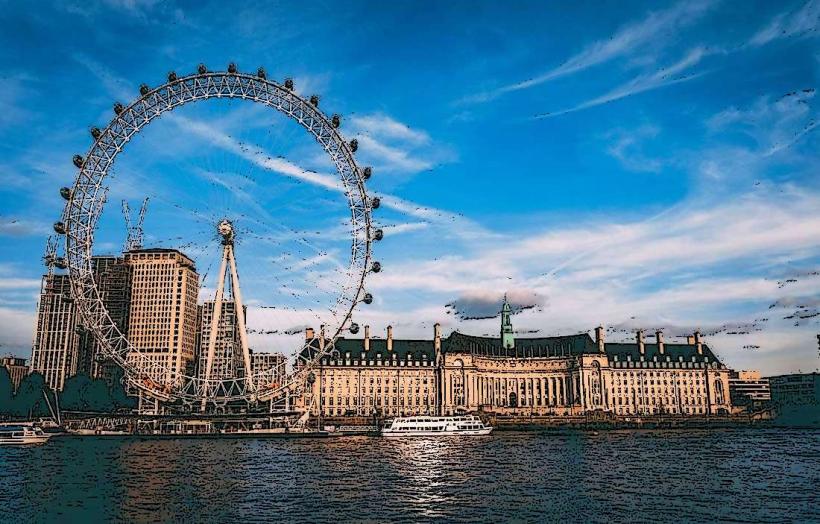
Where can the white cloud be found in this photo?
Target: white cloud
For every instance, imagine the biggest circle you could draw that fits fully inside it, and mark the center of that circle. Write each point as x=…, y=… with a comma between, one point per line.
x=16, y=327
x=773, y=125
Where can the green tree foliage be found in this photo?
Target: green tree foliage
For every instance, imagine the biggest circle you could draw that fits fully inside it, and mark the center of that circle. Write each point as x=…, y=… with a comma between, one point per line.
x=29, y=400
x=72, y=398
x=6, y=392
x=97, y=397
x=82, y=393
x=118, y=396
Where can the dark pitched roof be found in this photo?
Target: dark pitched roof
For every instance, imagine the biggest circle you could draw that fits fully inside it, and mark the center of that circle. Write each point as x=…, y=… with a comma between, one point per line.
x=561, y=346
x=524, y=347
x=418, y=349
x=674, y=351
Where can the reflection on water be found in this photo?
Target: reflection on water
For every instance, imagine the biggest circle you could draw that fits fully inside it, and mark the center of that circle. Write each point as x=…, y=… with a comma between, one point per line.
x=740, y=474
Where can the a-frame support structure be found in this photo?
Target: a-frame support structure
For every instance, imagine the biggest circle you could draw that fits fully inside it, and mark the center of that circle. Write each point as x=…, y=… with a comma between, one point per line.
x=227, y=264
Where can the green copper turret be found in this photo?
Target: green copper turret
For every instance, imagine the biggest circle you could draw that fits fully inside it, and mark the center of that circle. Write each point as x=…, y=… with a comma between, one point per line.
x=507, y=338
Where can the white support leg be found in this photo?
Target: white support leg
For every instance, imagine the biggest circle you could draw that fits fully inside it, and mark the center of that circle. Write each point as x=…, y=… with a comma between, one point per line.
x=240, y=319
x=220, y=290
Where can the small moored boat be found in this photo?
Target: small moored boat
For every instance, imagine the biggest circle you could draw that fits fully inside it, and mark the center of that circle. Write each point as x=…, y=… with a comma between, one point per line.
x=19, y=435
x=468, y=425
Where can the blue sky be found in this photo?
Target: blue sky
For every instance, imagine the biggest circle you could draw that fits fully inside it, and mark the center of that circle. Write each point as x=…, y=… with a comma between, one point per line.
x=632, y=164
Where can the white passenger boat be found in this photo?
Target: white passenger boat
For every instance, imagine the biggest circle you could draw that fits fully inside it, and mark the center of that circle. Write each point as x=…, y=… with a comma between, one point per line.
x=468, y=425
x=20, y=435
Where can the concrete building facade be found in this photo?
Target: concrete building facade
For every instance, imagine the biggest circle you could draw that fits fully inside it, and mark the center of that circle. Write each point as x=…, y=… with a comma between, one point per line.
x=162, y=321
x=748, y=388
x=268, y=369
x=113, y=278
x=55, y=351
x=798, y=389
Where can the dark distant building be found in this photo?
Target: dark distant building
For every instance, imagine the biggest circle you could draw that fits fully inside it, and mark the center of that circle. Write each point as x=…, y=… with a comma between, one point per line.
x=16, y=367
x=796, y=390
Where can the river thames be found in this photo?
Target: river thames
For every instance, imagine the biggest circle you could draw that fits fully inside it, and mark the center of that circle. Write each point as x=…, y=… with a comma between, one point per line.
x=743, y=475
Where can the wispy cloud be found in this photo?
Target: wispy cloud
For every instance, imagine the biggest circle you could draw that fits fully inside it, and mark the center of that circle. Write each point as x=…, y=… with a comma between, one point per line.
x=665, y=76
x=775, y=125
x=630, y=38
x=394, y=147
x=627, y=148
x=799, y=23
x=383, y=125
x=19, y=283
x=14, y=227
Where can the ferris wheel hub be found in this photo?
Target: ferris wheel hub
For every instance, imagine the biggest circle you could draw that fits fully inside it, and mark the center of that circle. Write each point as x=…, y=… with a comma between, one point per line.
x=226, y=231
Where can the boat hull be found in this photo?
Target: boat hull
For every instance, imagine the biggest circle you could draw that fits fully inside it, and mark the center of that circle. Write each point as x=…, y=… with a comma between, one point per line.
x=24, y=441
x=456, y=433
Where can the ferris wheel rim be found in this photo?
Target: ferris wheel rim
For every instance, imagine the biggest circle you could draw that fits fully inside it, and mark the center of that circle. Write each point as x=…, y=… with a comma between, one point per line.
x=83, y=210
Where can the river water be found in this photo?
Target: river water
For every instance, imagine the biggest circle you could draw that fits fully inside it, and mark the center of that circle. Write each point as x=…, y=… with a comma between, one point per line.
x=748, y=474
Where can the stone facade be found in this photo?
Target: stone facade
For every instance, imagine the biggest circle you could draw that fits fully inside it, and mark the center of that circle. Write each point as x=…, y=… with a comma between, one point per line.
x=565, y=375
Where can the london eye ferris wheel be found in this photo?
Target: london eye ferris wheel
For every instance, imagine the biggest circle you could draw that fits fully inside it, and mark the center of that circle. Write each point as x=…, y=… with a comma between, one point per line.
x=301, y=237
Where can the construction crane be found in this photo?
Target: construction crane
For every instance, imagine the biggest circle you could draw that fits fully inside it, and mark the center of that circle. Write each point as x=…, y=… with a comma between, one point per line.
x=134, y=235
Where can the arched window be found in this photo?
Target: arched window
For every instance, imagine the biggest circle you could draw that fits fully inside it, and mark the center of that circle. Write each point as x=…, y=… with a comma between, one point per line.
x=718, y=391
x=513, y=400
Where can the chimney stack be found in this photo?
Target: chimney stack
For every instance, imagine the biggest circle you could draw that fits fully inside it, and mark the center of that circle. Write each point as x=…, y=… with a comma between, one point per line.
x=600, y=338
x=437, y=337
x=309, y=333
x=640, y=340
x=367, y=338
x=659, y=340
x=322, y=337
x=690, y=340
x=389, y=338
x=698, y=343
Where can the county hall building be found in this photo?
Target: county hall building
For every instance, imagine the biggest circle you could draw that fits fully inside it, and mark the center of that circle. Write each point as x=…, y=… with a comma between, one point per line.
x=559, y=376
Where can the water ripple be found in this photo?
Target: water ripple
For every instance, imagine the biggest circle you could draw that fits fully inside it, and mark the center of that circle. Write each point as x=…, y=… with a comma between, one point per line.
x=739, y=475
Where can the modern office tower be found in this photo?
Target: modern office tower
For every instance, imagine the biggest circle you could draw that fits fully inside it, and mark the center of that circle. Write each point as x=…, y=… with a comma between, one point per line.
x=163, y=312
x=56, y=339
x=113, y=278
x=227, y=362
